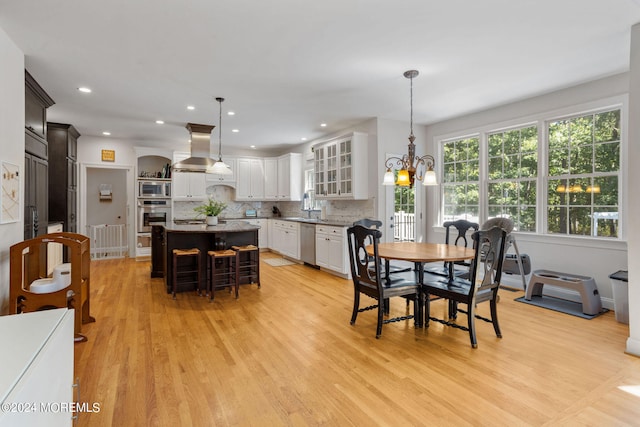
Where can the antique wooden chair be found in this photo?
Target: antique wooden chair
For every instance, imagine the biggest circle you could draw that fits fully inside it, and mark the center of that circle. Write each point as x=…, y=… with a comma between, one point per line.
x=389, y=266
x=462, y=227
x=368, y=278
x=483, y=284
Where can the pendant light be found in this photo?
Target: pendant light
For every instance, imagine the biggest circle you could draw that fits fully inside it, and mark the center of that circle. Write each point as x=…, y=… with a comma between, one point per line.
x=220, y=167
x=409, y=163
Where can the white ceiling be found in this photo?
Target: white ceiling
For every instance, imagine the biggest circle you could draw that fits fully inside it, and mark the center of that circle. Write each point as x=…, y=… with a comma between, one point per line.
x=285, y=66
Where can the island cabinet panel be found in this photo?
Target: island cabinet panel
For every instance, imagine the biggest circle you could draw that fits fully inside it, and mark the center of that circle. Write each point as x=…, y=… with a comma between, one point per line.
x=205, y=238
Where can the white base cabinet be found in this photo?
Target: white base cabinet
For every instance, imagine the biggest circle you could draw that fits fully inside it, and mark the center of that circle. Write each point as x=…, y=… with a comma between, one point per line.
x=263, y=233
x=36, y=378
x=285, y=238
x=331, y=249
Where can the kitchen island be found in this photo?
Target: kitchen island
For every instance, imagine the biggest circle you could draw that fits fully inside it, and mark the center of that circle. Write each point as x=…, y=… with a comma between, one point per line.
x=167, y=237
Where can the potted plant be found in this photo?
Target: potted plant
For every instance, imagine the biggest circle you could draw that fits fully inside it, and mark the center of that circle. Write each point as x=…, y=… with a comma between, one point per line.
x=211, y=210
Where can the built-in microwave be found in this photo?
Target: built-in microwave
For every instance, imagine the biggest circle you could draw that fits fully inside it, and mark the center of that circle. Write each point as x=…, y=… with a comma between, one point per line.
x=154, y=189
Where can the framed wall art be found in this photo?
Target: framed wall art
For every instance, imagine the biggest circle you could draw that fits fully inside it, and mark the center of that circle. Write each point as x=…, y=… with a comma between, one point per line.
x=10, y=200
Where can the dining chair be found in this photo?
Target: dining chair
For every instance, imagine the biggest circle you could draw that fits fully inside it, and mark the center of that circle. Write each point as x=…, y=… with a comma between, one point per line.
x=483, y=284
x=462, y=227
x=377, y=225
x=368, y=278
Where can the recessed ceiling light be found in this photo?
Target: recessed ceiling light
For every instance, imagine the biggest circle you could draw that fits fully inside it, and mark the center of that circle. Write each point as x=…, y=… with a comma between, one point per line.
x=235, y=130
x=106, y=133
x=190, y=107
x=160, y=122
x=231, y=113
x=252, y=146
x=303, y=139
x=324, y=125
x=84, y=89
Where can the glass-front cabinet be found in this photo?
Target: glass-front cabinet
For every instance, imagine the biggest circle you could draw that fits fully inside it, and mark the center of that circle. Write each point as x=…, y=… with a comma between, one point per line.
x=340, y=167
x=319, y=171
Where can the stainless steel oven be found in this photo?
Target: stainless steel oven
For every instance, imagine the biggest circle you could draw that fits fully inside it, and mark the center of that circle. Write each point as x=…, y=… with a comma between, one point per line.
x=150, y=210
x=154, y=189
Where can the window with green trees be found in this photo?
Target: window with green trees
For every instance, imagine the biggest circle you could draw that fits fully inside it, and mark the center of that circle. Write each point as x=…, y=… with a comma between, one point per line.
x=583, y=170
x=562, y=180
x=512, y=175
x=461, y=179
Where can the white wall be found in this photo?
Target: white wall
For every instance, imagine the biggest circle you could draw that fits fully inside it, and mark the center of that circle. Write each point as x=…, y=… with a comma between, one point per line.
x=591, y=257
x=633, y=343
x=11, y=147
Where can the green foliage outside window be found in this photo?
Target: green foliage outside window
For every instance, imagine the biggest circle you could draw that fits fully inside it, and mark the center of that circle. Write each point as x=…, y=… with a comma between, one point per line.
x=461, y=172
x=513, y=169
x=584, y=162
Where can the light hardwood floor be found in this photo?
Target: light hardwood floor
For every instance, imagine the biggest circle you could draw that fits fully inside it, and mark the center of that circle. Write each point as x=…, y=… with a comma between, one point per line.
x=286, y=354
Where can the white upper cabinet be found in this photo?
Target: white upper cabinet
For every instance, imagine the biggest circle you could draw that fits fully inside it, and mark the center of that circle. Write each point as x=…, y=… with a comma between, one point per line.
x=250, y=181
x=340, y=167
x=189, y=186
x=290, y=177
x=271, y=178
x=283, y=177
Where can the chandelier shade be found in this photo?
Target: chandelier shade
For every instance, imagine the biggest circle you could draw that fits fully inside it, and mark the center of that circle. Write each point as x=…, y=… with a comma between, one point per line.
x=220, y=167
x=410, y=166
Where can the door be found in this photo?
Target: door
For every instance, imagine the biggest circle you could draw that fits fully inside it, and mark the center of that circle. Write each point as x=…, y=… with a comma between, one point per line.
x=403, y=212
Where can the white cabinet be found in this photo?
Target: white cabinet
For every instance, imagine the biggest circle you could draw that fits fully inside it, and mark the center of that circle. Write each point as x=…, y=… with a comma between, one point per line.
x=285, y=238
x=189, y=186
x=263, y=232
x=283, y=177
x=340, y=167
x=331, y=248
x=271, y=178
x=213, y=179
x=250, y=185
x=37, y=368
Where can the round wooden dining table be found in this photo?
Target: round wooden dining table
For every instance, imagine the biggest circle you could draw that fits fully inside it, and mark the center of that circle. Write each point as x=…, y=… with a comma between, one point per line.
x=421, y=253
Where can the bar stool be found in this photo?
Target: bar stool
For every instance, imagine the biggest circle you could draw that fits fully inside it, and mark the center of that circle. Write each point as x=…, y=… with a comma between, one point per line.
x=248, y=264
x=187, y=273
x=223, y=268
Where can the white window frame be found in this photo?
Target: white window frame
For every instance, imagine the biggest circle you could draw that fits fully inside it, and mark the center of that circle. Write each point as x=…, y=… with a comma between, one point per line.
x=542, y=119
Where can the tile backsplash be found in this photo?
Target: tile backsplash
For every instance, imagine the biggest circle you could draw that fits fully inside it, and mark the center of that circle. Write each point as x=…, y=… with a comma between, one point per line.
x=336, y=210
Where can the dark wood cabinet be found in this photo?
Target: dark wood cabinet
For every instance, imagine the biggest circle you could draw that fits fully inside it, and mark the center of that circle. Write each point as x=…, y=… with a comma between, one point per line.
x=157, y=251
x=36, y=102
x=63, y=147
x=36, y=196
x=36, y=168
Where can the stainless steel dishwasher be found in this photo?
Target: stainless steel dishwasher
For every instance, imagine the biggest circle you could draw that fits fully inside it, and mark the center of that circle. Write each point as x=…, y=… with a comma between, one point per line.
x=308, y=243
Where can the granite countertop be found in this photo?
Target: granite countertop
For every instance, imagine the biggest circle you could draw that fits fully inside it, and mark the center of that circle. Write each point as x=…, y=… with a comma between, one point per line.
x=331, y=222
x=234, y=226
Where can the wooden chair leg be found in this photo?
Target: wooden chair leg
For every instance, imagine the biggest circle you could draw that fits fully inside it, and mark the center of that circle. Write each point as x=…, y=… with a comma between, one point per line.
x=356, y=306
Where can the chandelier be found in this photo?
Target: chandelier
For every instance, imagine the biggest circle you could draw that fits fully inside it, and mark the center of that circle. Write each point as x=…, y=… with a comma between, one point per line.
x=220, y=167
x=409, y=163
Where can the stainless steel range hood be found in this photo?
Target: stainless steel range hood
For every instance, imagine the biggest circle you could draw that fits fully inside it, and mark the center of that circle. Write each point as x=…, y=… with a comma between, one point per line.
x=200, y=158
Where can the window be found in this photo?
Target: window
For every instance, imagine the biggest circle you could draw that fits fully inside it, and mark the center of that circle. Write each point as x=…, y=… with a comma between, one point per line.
x=461, y=178
x=512, y=175
x=563, y=180
x=584, y=164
